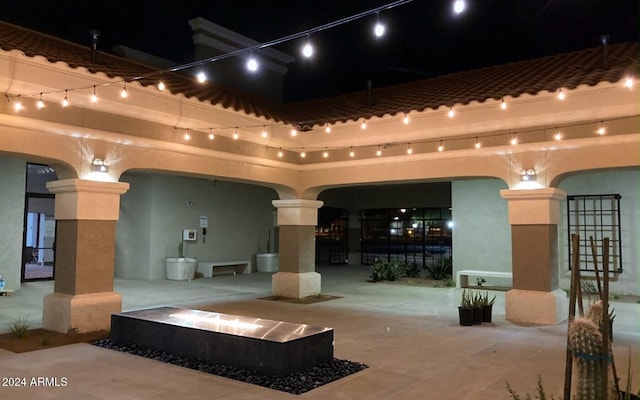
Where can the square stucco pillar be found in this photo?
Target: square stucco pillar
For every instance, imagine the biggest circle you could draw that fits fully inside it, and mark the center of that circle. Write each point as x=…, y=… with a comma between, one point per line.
x=534, y=216
x=297, y=276
x=86, y=213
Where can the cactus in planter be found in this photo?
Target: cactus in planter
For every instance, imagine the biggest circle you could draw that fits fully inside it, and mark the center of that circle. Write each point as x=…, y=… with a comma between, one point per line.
x=585, y=340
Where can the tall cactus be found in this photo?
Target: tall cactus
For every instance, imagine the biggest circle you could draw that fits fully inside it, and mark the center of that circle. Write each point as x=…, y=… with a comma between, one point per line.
x=585, y=340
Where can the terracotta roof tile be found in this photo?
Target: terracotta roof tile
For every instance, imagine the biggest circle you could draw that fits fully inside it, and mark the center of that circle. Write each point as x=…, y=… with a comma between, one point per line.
x=568, y=70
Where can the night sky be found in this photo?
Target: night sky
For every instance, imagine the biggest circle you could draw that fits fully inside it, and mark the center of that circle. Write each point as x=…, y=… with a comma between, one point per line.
x=424, y=38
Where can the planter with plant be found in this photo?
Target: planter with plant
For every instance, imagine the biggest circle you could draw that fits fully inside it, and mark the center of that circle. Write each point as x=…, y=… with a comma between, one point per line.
x=487, y=307
x=466, y=309
x=477, y=303
x=267, y=262
x=181, y=268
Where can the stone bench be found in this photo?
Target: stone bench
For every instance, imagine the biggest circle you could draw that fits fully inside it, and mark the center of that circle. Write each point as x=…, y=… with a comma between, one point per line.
x=462, y=276
x=208, y=269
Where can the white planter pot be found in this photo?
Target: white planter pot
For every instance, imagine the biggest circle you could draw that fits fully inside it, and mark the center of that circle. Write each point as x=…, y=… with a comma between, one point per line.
x=181, y=269
x=267, y=262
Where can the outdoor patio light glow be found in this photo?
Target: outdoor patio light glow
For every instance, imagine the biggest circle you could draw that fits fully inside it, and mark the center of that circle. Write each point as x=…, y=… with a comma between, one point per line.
x=307, y=50
x=325, y=154
x=405, y=120
x=123, y=92
x=514, y=139
x=65, y=101
x=409, y=149
x=327, y=128
x=378, y=30
x=280, y=153
x=628, y=83
x=451, y=113
x=99, y=165
x=379, y=152
x=351, y=152
x=528, y=175
x=558, y=135
x=363, y=125
x=459, y=6
x=561, y=95
x=94, y=96
x=441, y=147
x=202, y=77
x=503, y=104
x=601, y=130
x=252, y=64
x=235, y=135
x=477, y=145
x=161, y=86
x=264, y=132
x=303, y=154
x=40, y=103
x=211, y=135
x=17, y=104
x=294, y=133
x=187, y=135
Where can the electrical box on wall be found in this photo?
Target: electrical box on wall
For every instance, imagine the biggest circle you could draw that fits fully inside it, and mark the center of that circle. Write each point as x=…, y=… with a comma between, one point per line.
x=189, y=234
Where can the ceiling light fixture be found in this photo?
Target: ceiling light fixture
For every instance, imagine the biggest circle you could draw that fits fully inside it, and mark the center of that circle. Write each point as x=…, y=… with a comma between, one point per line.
x=351, y=152
x=65, y=101
x=99, y=165
x=601, y=130
x=123, y=92
x=558, y=135
x=503, y=104
x=441, y=147
x=302, y=153
x=629, y=82
x=514, y=139
x=451, y=112
x=379, y=151
x=363, y=125
x=17, y=104
x=307, y=49
x=264, y=132
x=378, y=29
x=459, y=6
x=211, y=135
x=293, y=132
x=280, y=153
x=477, y=145
x=161, y=86
x=326, y=153
x=201, y=76
x=327, y=128
x=187, y=135
x=40, y=103
x=409, y=149
x=94, y=96
x=235, y=134
x=252, y=63
x=561, y=95
x=405, y=120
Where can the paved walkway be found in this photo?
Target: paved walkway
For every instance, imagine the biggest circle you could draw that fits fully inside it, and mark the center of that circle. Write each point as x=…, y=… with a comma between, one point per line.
x=407, y=334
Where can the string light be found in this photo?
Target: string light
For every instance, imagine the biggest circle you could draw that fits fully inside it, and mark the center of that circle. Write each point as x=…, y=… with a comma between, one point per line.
x=123, y=92
x=478, y=145
x=187, y=135
x=378, y=29
x=561, y=95
x=514, y=139
x=351, y=152
x=558, y=135
x=211, y=135
x=503, y=104
x=601, y=130
x=280, y=153
x=65, y=101
x=201, y=76
x=235, y=134
x=293, y=132
x=363, y=125
x=264, y=132
x=451, y=113
x=94, y=96
x=17, y=104
x=405, y=120
x=379, y=152
x=628, y=83
x=252, y=63
x=307, y=50
x=441, y=147
x=327, y=128
x=161, y=86
x=459, y=6
x=326, y=153
x=40, y=103
x=409, y=149
x=302, y=153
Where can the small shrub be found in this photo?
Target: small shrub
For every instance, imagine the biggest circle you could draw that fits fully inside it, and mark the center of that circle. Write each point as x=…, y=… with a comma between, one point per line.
x=391, y=271
x=20, y=327
x=449, y=282
x=540, y=395
x=377, y=270
x=440, y=269
x=410, y=269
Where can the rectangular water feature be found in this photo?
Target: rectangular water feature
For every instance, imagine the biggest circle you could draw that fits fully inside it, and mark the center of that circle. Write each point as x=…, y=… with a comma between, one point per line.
x=270, y=347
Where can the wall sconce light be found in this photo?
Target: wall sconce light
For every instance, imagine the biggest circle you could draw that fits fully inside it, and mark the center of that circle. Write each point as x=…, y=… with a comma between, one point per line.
x=99, y=165
x=527, y=175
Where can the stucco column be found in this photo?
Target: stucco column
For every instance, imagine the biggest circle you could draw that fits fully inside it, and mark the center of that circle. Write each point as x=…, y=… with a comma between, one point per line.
x=534, y=216
x=86, y=213
x=297, y=276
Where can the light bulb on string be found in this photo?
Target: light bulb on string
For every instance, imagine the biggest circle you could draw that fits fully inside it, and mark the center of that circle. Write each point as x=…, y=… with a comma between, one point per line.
x=459, y=6
x=379, y=151
x=405, y=119
x=187, y=135
x=503, y=104
x=211, y=135
x=161, y=86
x=477, y=145
x=264, y=132
x=327, y=128
x=293, y=132
x=40, y=103
x=17, y=104
x=307, y=49
x=601, y=130
x=409, y=149
x=363, y=125
x=326, y=153
x=65, y=101
x=94, y=96
x=628, y=82
x=451, y=113
x=379, y=28
x=201, y=77
x=235, y=134
x=441, y=147
x=514, y=139
x=351, y=152
x=558, y=135
x=303, y=154
x=280, y=153
x=123, y=93
x=252, y=63
x=561, y=95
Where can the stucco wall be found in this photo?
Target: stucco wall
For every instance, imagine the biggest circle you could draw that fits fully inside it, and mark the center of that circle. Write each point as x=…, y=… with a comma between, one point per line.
x=481, y=230
x=156, y=209
x=626, y=183
x=12, y=182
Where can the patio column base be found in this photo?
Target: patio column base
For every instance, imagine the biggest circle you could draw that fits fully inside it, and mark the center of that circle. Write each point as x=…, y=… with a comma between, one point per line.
x=80, y=313
x=295, y=285
x=535, y=307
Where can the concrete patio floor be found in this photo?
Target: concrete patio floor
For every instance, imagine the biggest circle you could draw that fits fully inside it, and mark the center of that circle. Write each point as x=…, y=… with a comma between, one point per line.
x=407, y=334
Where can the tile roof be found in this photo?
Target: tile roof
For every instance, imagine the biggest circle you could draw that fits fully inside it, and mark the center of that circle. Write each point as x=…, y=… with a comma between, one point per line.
x=568, y=70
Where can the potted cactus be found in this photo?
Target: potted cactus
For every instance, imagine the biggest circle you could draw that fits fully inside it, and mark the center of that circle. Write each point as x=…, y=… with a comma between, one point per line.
x=466, y=309
x=487, y=307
